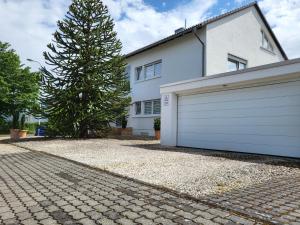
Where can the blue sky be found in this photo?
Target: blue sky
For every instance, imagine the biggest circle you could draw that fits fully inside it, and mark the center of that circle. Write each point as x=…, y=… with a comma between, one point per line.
x=165, y=5
x=29, y=24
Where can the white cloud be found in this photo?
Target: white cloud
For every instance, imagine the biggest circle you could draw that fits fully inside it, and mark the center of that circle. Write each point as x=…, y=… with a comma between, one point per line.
x=284, y=18
x=28, y=24
x=139, y=24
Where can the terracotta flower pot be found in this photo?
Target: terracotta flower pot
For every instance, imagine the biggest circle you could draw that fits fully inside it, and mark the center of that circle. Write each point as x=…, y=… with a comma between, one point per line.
x=157, y=134
x=126, y=131
x=23, y=133
x=14, y=134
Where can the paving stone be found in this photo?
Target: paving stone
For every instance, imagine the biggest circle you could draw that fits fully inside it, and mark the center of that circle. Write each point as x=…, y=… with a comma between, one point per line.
x=41, y=215
x=77, y=215
x=149, y=215
x=124, y=221
x=106, y=221
x=101, y=208
x=13, y=221
x=24, y=215
x=131, y=215
x=94, y=215
x=30, y=221
x=48, y=221
x=68, y=208
x=144, y=221
x=205, y=214
x=164, y=221
x=185, y=215
x=87, y=221
x=34, y=193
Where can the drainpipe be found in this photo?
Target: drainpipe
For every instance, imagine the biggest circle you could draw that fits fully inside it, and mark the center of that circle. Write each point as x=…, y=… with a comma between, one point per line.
x=203, y=50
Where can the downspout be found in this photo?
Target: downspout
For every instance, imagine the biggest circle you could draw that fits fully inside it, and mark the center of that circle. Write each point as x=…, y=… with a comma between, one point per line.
x=203, y=50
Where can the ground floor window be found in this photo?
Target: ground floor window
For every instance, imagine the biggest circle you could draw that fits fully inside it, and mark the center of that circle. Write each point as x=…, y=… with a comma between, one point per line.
x=138, y=108
x=149, y=107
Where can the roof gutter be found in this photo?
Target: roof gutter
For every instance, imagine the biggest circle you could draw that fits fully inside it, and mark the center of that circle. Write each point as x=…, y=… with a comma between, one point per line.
x=203, y=50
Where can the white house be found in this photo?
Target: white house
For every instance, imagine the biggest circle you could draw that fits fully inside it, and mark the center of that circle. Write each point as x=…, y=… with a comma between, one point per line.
x=235, y=40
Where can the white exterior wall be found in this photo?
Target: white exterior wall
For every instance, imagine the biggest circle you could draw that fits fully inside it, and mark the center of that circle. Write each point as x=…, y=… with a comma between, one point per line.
x=181, y=60
x=239, y=35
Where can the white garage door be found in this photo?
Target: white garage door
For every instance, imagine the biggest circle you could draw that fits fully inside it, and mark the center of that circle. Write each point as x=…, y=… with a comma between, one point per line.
x=263, y=119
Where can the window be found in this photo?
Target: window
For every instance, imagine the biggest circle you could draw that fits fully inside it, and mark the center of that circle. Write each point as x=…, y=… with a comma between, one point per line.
x=148, y=107
x=118, y=122
x=149, y=71
x=265, y=42
x=138, y=73
x=127, y=72
x=156, y=106
x=153, y=70
x=138, y=108
x=235, y=63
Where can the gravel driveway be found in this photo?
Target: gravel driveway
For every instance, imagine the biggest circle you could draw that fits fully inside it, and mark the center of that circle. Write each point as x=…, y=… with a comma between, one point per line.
x=196, y=172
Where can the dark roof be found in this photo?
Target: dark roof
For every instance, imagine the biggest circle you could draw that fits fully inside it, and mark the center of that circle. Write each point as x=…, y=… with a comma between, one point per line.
x=202, y=24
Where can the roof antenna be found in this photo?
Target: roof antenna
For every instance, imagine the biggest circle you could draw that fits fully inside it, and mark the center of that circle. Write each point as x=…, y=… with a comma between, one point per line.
x=184, y=23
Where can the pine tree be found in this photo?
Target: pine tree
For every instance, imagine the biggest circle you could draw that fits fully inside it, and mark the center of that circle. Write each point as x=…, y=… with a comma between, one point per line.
x=86, y=88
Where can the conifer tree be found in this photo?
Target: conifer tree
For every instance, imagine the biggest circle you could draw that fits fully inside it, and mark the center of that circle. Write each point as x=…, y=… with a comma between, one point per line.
x=85, y=88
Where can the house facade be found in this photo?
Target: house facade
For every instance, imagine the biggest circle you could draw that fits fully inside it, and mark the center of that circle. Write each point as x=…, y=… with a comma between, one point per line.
x=236, y=40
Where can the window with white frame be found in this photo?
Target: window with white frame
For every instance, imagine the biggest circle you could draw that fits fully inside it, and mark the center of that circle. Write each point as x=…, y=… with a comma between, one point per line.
x=150, y=107
x=265, y=42
x=138, y=108
x=153, y=70
x=127, y=72
x=235, y=63
x=156, y=106
x=147, y=107
x=138, y=73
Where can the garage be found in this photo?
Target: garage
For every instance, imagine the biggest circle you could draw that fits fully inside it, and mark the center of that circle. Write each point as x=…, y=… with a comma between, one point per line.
x=255, y=111
x=264, y=119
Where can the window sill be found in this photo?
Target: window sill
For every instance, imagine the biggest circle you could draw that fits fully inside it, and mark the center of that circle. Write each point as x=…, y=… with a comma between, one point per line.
x=267, y=50
x=152, y=78
x=146, y=116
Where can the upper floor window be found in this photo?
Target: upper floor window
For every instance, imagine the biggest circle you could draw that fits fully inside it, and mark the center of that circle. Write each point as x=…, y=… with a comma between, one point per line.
x=153, y=70
x=138, y=73
x=127, y=72
x=265, y=42
x=235, y=63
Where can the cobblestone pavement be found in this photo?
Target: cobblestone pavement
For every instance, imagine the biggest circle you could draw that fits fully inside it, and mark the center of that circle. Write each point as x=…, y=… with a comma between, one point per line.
x=36, y=188
x=277, y=201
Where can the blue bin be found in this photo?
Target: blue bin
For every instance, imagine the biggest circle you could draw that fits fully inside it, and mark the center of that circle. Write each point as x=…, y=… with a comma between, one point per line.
x=40, y=131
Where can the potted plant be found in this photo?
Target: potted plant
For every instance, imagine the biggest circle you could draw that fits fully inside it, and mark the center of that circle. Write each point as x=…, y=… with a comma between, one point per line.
x=157, y=128
x=126, y=131
x=14, y=130
x=124, y=122
x=23, y=131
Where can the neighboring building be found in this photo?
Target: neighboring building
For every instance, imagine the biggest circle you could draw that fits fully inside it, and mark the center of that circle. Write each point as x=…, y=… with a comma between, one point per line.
x=236, y=40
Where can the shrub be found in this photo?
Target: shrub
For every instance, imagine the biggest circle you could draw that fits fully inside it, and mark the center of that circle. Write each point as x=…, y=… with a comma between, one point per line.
x=22, y=122
x=157, y=124
x=124, y=122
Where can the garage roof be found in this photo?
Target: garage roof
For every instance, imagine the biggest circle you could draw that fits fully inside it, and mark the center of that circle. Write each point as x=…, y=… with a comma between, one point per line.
x=204, y=23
